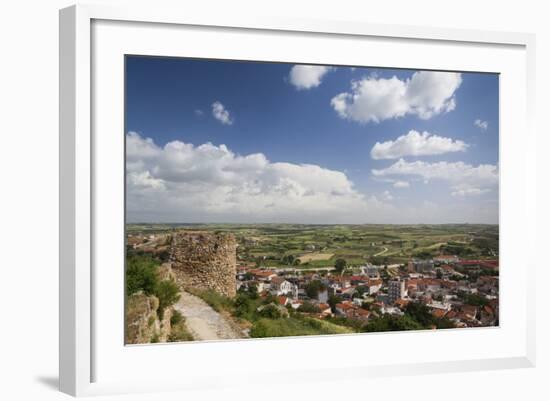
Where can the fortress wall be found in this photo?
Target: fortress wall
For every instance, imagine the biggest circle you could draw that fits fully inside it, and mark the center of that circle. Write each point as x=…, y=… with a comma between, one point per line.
x=205, y=261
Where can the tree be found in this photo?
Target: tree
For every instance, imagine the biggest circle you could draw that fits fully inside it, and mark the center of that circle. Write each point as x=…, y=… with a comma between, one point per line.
x=421, y=313
x=314, y=288
x=244, y=307
x=392, y=323
x=332, y=301
x=271, y=311
x=141, y=274
x=475, y=299
x=340, y=265
x=288, y=259
x=361, y=289
x=444, y=323
x=308, y=307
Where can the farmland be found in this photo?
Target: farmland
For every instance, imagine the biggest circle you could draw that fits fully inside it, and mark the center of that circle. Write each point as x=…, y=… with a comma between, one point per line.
x=311, y=246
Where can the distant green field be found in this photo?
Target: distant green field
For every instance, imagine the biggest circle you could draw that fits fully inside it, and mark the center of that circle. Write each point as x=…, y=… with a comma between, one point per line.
x=271, y=245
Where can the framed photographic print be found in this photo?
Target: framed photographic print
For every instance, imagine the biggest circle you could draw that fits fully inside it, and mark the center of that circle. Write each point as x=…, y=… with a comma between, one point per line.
x=292, y=190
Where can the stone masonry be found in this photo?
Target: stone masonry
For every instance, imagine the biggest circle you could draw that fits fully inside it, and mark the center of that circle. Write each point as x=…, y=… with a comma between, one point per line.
x=205, y=261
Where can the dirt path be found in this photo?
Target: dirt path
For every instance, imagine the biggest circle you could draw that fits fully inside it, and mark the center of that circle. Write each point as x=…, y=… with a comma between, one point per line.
x=381, y=253
x=203, y=322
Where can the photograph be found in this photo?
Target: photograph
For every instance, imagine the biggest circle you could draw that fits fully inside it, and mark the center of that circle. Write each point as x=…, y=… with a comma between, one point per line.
x=270, y=199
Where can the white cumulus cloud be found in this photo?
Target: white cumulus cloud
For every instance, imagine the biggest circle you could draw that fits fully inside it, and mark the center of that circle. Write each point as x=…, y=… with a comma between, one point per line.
x=307, y=76
x=481, y=124
x=221, y=114
x=180, y=182
x=463, y=178
x=373, y=99
x=401, y=184
x=469, y=192
x=386, y=195
x=416, y=144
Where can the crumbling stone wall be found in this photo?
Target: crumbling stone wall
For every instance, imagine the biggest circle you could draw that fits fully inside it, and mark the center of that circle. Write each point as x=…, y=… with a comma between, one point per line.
x=141, y=318
x=205, y=261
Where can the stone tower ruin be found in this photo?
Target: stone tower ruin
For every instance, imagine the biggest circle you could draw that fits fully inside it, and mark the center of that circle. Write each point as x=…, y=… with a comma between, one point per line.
x=205, y=261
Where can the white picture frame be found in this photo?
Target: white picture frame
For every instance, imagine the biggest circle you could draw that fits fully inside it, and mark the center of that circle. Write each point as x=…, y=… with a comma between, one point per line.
x=83, y=352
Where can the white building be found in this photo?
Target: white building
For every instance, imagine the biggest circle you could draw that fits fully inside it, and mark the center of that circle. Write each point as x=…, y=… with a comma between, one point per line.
x=280, y=286
x=396, y=290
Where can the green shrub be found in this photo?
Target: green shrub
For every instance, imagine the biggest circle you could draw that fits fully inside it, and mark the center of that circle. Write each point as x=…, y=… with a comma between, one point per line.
x=354, y=324
x=271, y=311
x=245, y=307
x=141, y=274
x=179, y=332
x=168, y=294
x=340, y=265
x=475, y=299
x=392, y=323
x=294, y=327
x=420, y=313
x=308, y=307
x=217, y=301
x=176, y=318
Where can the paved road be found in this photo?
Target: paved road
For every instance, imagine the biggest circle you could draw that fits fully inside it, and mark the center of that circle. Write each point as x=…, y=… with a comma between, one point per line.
x=202, y=321
x=302, y=269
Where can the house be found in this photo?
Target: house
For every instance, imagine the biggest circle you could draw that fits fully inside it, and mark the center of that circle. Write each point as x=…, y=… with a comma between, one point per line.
x=346, y=292
x=338, y=282
x=479, y=264
x=325, y=309
x=372, y=272
x=374, y=286
x=280, y=286
x=429, y=284
x=439, y=313
x=488, y=316
x=351, y=311
x=343, y=307
x=359, y=280
x=402, y=303
x=392, y=310
x=490, y=265
x=322, y=296
x=440, y=306
x=488, y=284
x=358, y=314
x=469, y=312
x=282, y=300
x=296, y=303
x=446, y=259
x=421, y=266
x=263, y=275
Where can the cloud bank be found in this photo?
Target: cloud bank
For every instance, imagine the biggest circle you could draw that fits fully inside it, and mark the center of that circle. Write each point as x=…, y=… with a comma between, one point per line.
x=373, y=99
x=181, y=182
x=464, y=179
x=416, y=144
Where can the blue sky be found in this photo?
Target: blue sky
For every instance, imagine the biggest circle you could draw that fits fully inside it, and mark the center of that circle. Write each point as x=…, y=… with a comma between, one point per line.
x=293, y=118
